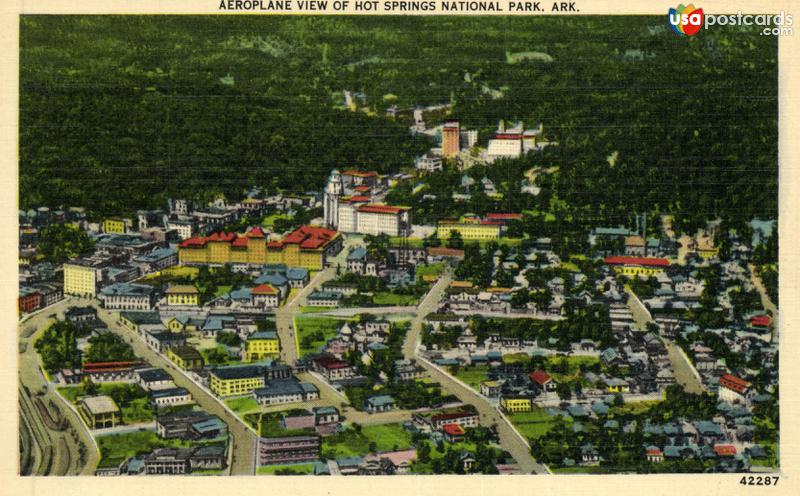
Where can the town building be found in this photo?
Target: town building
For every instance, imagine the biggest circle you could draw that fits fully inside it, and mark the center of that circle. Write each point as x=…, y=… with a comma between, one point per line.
x=100, y=412
x=451, y=138
x=160, y=398
x=185, y=357
x=83, y=276
x=152, y=379
x=156, y=260
x=241, y=380
x=182, y=295
x=733, y=389
x=261, y=345
x=290, y=449
x=285, y=391
x=637, y=266
x=307, y=247
x=470, y=228
x=29, y=299
x=126, y=296
x=349, y=209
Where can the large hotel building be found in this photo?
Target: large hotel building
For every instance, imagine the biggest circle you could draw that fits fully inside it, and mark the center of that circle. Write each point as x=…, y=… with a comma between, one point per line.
x=306, y=247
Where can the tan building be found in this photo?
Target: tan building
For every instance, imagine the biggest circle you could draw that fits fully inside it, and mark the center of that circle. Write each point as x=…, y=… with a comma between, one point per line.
x=100, y=412
x=451, y=138
x=183, y=294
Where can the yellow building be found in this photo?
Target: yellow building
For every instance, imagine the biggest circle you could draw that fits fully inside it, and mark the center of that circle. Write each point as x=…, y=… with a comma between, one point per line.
x=81, y=277
x=185, y=357
x=515, y=404
x=637, y=266
x=704, y=246
x=183, y=294
x=306, y=247
x=261, y=345
x=235, y=381
x=470, y=228
x=116, y=226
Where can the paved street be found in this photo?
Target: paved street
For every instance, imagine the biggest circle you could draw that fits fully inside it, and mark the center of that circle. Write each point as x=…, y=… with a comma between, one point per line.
x=243, y=440
x=284, y=315
x=510, y=440
x=428, y=304
x=685, y=373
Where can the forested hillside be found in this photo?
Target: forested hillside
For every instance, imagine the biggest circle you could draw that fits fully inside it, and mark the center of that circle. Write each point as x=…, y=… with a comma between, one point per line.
x=118, y=113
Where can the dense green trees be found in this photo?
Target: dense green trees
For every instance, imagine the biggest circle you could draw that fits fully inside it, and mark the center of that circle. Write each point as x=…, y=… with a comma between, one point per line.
x=60, y=242
x=108, y=347
x=58, y=346
x=118, y=113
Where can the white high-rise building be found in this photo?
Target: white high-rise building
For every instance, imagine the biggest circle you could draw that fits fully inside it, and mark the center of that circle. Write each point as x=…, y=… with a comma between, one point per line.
x=333, y=193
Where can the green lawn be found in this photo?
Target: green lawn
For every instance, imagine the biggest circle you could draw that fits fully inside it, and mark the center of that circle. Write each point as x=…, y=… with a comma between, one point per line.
x=430, y=270
x=533, y=424
x=176, y=271
x=221, y=290
x=137, y=411
x=473, y=375
x=297, y=468
x=242, y=405
x=321, y=329
x=116, y=448
x=573, y=366
x=386, y=298
x=512, y=358
x=220, y=351
x=636, y=408
x=352, y=443
x=269, y=220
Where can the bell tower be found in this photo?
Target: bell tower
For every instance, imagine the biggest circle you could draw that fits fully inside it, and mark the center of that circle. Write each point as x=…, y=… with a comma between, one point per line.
x=333, y=191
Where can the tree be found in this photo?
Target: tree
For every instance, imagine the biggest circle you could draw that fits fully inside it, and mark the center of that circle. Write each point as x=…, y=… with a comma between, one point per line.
x=455, y=240
x=424, y=452
x=60, y=242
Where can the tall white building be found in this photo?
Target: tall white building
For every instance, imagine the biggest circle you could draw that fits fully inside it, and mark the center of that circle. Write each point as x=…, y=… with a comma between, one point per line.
x=333, y=194
x=356, y=214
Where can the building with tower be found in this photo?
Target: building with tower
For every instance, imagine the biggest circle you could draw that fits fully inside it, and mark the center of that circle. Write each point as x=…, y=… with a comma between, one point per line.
x=348, y=206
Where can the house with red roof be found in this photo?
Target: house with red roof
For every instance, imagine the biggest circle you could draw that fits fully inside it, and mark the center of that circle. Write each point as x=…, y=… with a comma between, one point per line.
x=543, y=380
x=453, y=433
x=761, y=321
x=733, y=389
x=654, y=454
x=724, y=450
x=265, y=295
x=332, y=368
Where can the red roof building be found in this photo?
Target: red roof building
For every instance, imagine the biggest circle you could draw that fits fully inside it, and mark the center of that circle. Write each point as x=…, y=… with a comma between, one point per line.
x=504, y=216
x=256, y=232
x=761, y=321
x=453, y=432
x=734, y=383
x=540, y=377
x=264, y=289
x=725, y=450
x=375, y=208
x=645, y=262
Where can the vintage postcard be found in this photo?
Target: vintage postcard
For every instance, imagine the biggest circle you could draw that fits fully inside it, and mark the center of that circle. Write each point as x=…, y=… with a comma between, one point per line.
x=402, y=238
